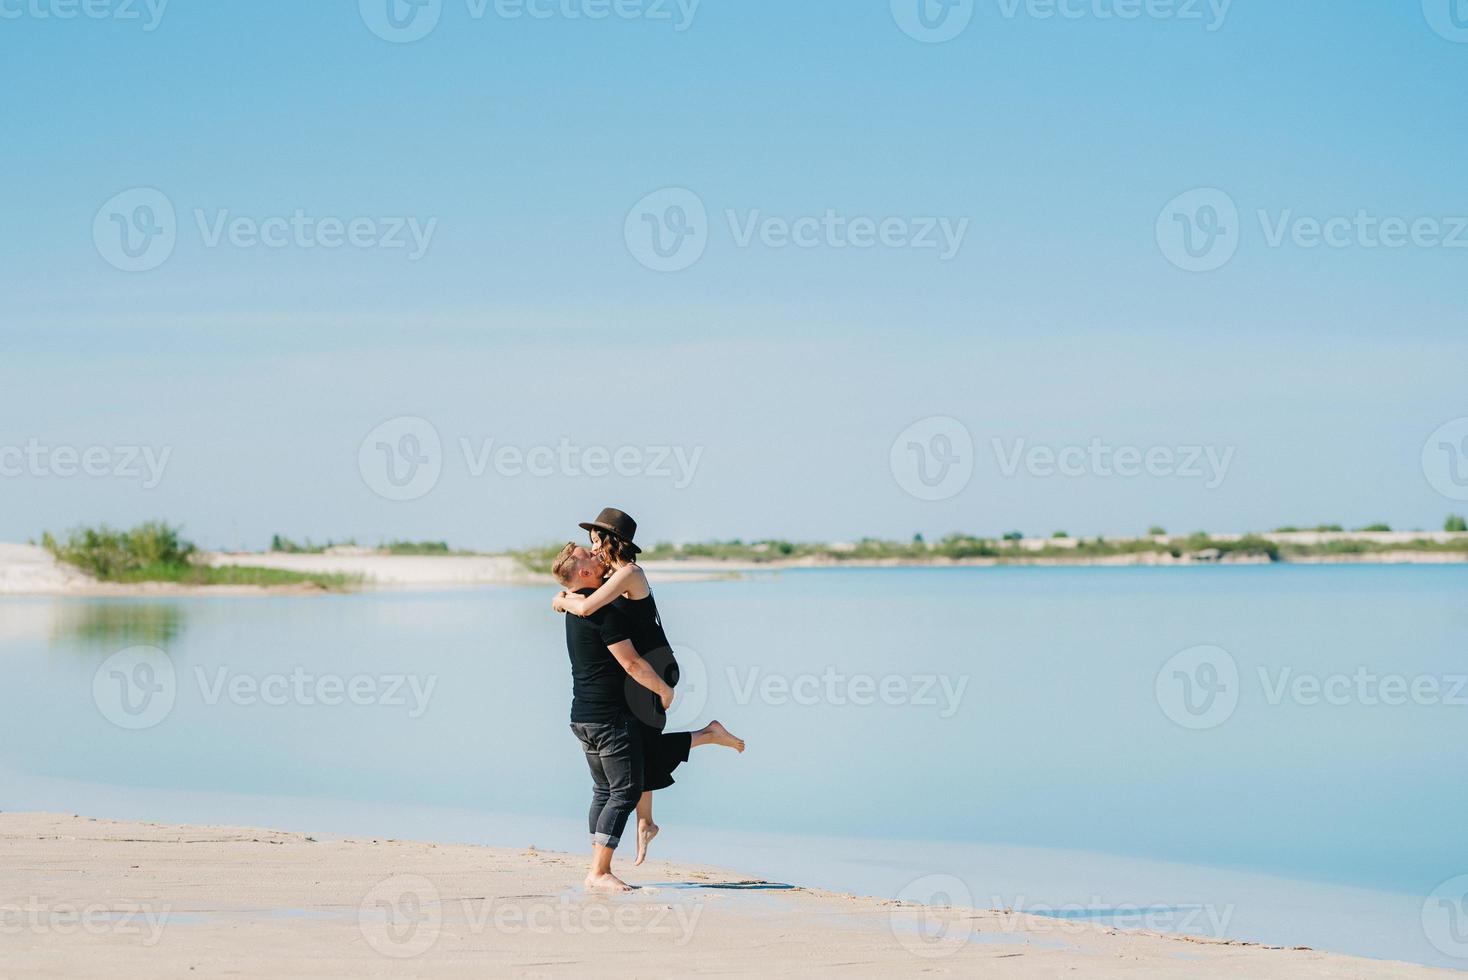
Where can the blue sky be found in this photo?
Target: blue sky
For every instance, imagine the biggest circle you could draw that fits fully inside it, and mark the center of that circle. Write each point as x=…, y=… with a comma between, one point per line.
x=524, y=143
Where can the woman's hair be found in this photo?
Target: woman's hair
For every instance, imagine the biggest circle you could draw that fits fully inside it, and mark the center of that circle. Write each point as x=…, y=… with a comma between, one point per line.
x=614, y=551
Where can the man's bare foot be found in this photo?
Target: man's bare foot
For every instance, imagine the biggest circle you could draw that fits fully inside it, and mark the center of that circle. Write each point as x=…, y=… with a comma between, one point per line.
x=606, y=883
x=720, y=735
x=646, y=831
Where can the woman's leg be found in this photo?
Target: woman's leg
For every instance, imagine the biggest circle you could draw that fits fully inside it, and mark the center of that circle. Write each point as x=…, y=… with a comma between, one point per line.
x=644, y=807
x=646, y=829
x=716, y=734
x=669, y=744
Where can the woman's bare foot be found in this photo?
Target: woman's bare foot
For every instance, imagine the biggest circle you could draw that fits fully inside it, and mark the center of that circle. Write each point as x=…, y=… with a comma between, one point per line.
x=606, y=883
x=720, y=735
x=646, y=831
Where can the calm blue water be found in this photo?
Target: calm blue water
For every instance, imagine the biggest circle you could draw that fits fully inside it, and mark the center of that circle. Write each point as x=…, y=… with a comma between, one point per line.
x=976, y=722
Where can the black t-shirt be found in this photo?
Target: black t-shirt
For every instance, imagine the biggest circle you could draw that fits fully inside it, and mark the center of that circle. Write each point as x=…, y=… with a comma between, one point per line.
x=597, y=680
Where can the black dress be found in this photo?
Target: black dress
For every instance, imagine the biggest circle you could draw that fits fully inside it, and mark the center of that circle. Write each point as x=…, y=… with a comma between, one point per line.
x=662, y=751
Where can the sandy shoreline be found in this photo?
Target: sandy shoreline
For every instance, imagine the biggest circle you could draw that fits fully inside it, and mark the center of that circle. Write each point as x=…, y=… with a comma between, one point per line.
x=1144, y=559
x=82, y=897
x=30, y=570
x=26, y=570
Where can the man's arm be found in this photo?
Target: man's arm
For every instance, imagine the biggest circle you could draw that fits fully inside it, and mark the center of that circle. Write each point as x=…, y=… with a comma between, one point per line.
x=620, y=581
x=641, y=671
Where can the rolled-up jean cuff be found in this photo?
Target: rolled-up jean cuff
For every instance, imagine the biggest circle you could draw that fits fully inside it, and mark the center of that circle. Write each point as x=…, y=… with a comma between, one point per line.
x=606, y=840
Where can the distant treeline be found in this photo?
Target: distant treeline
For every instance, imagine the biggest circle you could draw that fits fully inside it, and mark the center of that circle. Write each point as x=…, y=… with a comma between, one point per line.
x=1059, y=545
x=956, y=547
x=157, y=551
x=284, y=545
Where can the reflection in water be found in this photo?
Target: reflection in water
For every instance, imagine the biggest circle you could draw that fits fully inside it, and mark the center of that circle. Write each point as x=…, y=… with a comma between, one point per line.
x=118, y=623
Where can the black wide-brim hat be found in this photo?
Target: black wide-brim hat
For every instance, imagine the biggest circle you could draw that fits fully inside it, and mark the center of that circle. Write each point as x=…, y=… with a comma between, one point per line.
x=616, y=523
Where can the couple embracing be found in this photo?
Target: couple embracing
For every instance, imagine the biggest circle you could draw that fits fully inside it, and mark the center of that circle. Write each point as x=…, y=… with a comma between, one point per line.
x=623, y=674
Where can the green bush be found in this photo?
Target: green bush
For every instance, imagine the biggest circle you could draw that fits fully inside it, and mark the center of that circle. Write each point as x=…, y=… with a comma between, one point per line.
x=1455, y=523
x=284, y=545
x=109, y=554
x=156, y=543
x=1250, y=544
x=417, y=548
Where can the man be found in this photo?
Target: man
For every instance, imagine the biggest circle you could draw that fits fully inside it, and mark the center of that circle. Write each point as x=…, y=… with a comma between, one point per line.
x=609, y=734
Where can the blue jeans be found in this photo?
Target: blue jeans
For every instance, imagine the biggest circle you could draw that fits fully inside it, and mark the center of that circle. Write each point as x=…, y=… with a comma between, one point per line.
x=614, y=756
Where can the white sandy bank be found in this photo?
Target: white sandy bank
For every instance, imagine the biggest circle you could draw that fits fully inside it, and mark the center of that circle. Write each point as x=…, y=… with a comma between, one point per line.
x=29, y=570
x=91, y=898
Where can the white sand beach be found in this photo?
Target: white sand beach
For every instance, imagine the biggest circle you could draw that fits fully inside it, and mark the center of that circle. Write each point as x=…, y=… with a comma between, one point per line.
x=30, y=570
x=81, y=897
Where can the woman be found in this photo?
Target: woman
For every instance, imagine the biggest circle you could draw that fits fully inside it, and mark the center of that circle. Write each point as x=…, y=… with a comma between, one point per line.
x=611, y=541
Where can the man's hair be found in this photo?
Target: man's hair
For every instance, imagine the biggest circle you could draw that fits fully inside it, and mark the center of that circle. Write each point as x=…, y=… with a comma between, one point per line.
x=565, y=563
